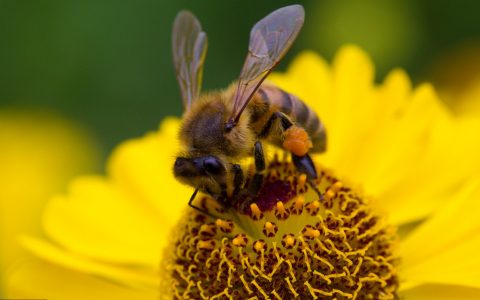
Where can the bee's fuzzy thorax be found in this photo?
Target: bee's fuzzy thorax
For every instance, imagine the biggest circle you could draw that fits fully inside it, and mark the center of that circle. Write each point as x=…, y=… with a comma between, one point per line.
x=203, y=126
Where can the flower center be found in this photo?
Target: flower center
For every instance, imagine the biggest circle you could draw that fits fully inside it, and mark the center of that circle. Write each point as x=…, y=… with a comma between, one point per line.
x=290, y=243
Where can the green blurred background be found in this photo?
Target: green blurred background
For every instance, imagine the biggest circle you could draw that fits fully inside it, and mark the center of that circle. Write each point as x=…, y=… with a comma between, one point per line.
x=107, y=64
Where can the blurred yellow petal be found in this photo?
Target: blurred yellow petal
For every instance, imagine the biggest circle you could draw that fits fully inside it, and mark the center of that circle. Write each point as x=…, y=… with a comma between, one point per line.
x=117, y=226
x=447, y=163
x=378, y=147
x=39, y=152
x=36, y=279
x=384, y=138
x=142, y=169
x=444, y=249
x=96, y=219
x=469, y=101
x=352, y=80
x=459, y=265
x=441, y=292
x=309, y=77
x=456, y=74
x=131, y=275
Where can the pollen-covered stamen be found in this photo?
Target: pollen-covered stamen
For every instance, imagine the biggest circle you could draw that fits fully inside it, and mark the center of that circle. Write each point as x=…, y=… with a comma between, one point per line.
x=313, y=207
x=225, y=226
x=297, y=205
x=288, y=241
x=269, y=229
x=259, y=246
x=281, y=212
x=255, y=212
x=240, y=240
x=288, y=244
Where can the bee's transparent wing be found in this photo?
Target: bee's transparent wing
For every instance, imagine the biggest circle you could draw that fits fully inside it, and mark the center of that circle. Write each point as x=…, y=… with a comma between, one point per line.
x=189, y=44
x=270, y=39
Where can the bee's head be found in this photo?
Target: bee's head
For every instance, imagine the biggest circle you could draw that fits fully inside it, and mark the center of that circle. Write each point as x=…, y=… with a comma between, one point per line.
x=208, y=173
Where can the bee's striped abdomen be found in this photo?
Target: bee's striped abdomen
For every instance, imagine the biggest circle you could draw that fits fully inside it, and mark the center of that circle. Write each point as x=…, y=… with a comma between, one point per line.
x=297, y=111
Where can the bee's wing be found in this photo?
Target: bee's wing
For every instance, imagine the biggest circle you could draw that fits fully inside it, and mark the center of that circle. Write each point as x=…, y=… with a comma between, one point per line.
x=189, y=44
x=270, y=39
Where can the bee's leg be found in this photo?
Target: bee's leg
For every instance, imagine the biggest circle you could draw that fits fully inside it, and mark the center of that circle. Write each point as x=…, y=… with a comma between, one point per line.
x=313, y=185
x=268, y=126
x=237, y=179
x=257, y=180
x=285, y=122
x=239, y=191
x=203, y=211
x=303, y=163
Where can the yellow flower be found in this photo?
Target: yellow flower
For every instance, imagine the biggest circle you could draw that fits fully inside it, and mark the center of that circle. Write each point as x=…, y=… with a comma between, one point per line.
x=39, y=153
x=414, y=164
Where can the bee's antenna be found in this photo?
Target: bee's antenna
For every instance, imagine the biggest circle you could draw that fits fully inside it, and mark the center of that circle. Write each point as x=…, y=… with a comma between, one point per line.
x=230, y=124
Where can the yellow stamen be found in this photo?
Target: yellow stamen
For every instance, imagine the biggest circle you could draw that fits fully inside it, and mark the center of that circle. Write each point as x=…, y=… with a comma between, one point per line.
x=270, y=229
x=256, y=213
x=297, y=206
x=225, y=225
x=280, y=211
x=240, y=240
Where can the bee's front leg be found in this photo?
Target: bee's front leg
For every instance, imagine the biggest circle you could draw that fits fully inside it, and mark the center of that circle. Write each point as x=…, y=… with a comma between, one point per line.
x=255, y=184
x=238, y=179
x=199, y=209
x=257, y=180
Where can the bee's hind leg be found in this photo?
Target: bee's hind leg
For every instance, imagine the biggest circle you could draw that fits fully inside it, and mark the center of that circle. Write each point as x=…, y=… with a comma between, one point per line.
x=303, y=163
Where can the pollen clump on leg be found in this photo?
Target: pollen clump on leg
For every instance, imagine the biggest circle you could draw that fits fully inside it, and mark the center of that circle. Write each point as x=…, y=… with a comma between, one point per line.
x=297, y=141
x=293, y=245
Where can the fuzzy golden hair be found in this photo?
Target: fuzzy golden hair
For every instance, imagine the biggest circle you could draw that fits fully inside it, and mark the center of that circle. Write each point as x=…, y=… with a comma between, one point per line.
x=203, y=127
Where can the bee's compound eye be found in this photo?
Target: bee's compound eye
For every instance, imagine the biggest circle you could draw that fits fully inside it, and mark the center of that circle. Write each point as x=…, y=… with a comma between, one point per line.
x=212, y=165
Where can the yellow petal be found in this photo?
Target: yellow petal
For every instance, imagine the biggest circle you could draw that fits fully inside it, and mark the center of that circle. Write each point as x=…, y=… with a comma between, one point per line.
x=409, y=159
x=125, y=217
x=459, y=265
x=388, y=137
x=441, y=292
x=444, y=249
x=39, y=153
x=98, y=219
x=352, y=97
x=309, y=77
x=35, y=279
x=143, y=169
x=134, y=276
x=468, y=102
x=371, y=145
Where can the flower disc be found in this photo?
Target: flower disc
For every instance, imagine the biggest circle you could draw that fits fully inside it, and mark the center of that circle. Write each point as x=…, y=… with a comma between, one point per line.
x=292, y=242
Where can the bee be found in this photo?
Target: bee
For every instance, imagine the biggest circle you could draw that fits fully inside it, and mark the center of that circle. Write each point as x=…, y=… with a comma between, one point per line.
x=221, y=128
